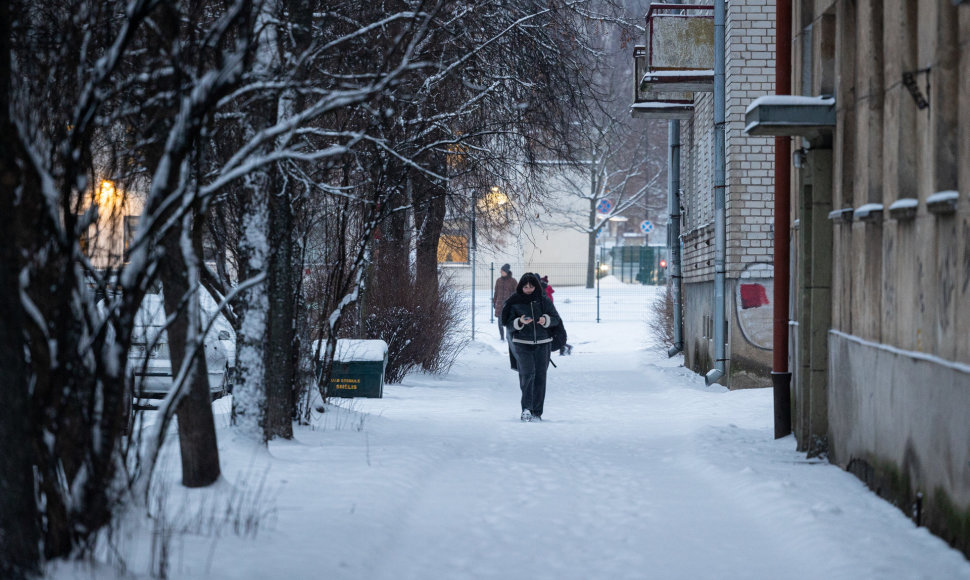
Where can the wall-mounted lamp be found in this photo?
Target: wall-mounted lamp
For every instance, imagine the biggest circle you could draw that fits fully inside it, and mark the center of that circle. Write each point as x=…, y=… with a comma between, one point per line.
x=799, y=157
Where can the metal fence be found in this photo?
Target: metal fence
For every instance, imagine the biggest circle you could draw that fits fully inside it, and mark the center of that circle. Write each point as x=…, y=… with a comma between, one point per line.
x=635, y=264
x=612, y=298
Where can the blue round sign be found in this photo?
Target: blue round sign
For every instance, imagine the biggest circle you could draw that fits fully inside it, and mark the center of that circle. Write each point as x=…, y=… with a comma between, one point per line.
x=646, y=226
x=604, y=206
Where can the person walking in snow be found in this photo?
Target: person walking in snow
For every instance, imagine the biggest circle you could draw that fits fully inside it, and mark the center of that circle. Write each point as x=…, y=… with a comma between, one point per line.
x=530, y=315
x=504, y=287
x=566, y=348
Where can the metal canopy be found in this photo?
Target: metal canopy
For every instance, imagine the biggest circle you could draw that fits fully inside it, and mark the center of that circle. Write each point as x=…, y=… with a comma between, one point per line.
x=694, y=81
x=662, y=110
x=790, y=115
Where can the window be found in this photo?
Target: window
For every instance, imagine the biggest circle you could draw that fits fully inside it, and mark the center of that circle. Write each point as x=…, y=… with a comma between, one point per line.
x=131, y=226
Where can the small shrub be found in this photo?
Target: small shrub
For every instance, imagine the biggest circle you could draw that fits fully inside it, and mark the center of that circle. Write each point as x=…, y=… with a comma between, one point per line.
x=662, y=322
x=418, y=324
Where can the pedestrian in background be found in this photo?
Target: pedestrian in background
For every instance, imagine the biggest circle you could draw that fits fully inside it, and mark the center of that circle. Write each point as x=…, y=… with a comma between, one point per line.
x=530, y=315
x=504, y=287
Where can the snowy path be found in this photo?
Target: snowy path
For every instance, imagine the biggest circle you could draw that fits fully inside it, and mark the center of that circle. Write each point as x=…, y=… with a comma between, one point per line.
x=638, y=471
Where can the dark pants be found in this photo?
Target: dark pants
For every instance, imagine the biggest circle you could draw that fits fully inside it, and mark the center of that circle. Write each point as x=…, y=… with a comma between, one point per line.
x=501, y=329
x=533, y=362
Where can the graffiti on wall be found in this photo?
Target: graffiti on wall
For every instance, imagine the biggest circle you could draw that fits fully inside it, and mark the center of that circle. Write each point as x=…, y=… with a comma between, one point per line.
x=754, y=304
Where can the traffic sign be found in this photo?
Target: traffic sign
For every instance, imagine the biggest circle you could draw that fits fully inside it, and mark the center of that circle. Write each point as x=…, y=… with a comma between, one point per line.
x=604, y=206
x=646, y=226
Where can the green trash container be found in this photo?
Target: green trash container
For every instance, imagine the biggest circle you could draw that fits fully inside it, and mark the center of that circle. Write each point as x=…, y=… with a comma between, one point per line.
x=358, y=369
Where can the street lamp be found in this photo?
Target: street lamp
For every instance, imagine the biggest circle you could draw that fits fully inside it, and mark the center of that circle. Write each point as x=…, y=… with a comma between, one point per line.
x=490, y=202
x=106, y=193
x=472, y=249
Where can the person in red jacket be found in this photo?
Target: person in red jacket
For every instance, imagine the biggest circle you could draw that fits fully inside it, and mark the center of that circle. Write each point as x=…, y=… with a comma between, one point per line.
x=568, y=348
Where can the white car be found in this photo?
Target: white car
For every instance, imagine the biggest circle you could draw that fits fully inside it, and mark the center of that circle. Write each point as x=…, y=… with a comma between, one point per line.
x=149, y=361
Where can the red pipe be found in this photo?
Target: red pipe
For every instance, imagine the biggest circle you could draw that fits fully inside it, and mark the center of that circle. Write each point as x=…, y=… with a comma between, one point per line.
x=780, y=375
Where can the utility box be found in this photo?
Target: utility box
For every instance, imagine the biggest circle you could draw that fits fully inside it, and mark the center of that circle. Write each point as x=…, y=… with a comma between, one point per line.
x=358, y=369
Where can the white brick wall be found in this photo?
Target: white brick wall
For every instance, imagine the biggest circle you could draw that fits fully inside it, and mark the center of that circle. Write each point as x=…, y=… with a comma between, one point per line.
x=750, y=46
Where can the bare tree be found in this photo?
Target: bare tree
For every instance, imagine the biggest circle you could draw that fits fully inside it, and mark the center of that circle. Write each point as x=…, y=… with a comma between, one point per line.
x=620, y=158
x=287, y=132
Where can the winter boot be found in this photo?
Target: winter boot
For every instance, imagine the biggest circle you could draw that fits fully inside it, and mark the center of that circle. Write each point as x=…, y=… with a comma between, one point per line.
x=526, y=415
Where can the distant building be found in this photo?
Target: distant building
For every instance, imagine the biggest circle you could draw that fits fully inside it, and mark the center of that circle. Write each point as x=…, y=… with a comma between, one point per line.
x=116, y=213
x=525, y=240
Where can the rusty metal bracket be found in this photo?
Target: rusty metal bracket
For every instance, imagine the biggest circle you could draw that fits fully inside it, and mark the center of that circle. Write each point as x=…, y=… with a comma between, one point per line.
x=909, y=81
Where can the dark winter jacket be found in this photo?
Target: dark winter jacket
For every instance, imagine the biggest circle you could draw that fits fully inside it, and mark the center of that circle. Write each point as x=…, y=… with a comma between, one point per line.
x=532, y=306
x=504, y=287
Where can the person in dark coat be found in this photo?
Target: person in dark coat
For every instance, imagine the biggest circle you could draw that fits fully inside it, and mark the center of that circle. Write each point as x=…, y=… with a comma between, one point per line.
x=504, y=287
x=529, y=315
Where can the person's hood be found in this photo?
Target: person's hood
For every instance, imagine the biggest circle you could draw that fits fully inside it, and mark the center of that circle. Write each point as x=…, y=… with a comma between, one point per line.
x=530, y=277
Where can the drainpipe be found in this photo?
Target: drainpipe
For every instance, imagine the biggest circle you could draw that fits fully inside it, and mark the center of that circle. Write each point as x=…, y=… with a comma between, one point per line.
x=780, y=375
x=720, y=186
x=673, y=232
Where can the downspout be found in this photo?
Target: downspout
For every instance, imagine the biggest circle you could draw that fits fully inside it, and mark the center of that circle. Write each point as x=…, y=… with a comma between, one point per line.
x=780, y=374
x=673, y=232
x=720, y=186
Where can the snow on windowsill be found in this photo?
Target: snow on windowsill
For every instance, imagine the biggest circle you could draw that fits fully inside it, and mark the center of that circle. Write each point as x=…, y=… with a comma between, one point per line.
x=943, y=202
x=942, y=196
x=904, y=208
x=867, y=211
x=904, y=203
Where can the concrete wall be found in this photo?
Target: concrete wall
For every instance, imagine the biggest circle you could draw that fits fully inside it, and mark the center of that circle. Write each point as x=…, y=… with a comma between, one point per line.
x=897, y=390
x=898, y=420
x=698, y=332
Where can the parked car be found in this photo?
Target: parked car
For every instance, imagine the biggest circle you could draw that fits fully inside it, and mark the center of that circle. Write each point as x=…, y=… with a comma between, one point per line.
x=149, y=361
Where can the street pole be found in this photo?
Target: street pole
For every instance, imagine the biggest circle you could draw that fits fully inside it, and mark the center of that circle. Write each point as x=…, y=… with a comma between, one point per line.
x=598, y=266
x=491, y=310
x=473, y=249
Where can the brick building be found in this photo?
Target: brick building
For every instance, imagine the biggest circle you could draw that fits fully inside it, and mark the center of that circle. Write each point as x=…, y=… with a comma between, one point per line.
x=749, y=73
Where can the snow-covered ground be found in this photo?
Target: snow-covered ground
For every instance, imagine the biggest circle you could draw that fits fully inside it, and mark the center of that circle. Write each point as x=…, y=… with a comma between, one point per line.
x=638, y=470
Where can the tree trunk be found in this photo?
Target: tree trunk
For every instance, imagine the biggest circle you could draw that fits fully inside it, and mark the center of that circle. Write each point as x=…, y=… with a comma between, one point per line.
x=282, y=342
x=391, y=260
x=196, y=426
x=19, y=532
x=428, y=198
x=249, y=395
